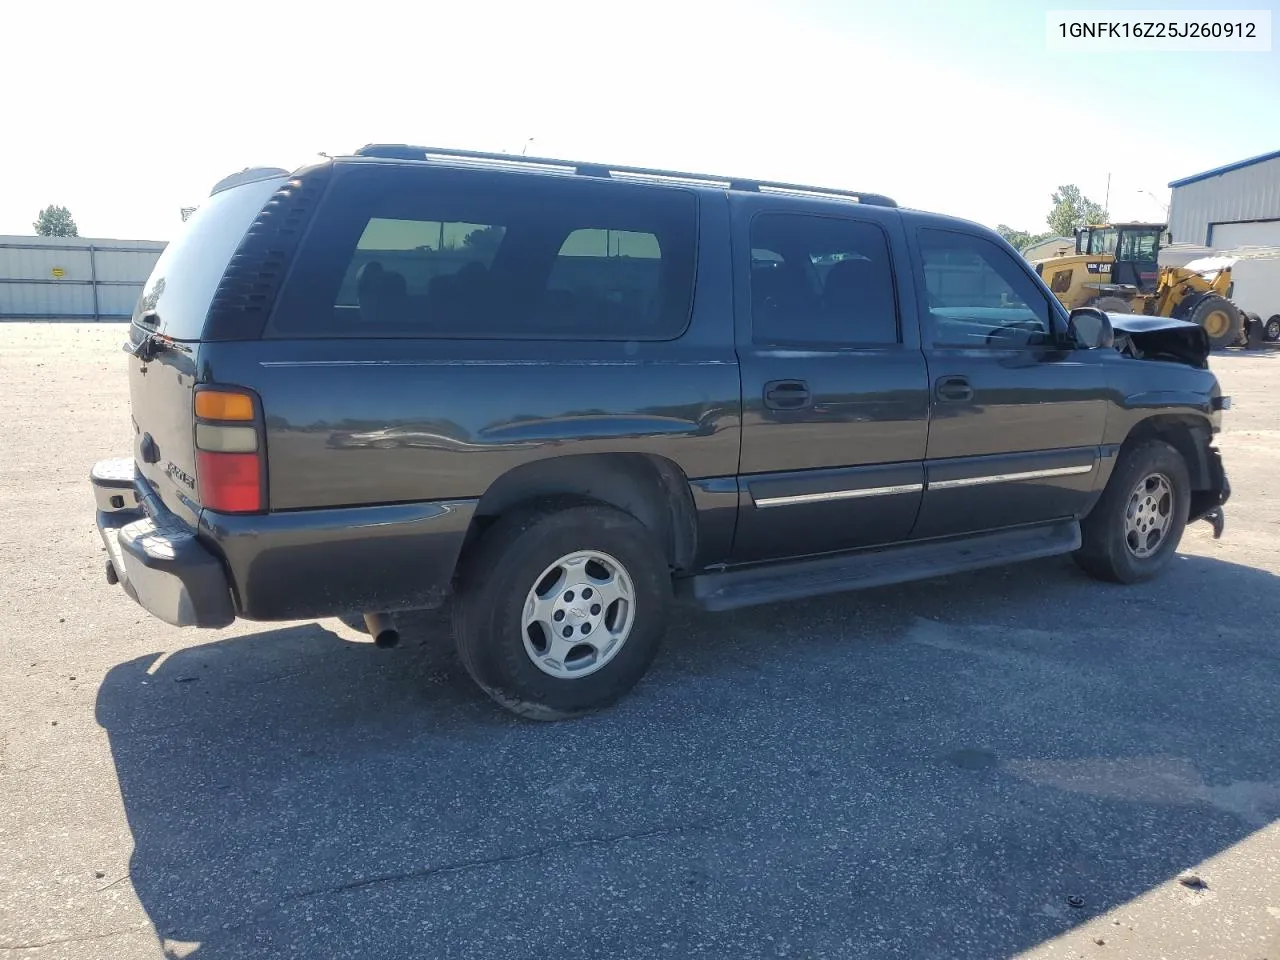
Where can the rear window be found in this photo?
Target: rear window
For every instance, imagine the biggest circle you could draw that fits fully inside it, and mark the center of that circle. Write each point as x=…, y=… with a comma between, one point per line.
x=176, y=298
x=475, y=255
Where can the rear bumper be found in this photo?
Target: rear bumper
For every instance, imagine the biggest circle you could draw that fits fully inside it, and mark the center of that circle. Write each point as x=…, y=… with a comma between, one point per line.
x=296, y=565
x=155, y=557
x=306, y=564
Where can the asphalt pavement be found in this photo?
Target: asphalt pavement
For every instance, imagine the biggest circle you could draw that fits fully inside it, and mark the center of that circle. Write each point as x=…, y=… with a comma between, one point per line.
x=1017, y=762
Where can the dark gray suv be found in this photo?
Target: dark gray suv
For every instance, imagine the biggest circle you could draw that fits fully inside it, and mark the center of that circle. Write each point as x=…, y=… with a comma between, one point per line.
x=557, y=395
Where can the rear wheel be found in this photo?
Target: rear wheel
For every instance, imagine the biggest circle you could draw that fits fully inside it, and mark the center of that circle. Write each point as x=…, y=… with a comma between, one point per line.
x=1272, y=329
x=561, y=610
x=1221, y=320
x=1135, y=527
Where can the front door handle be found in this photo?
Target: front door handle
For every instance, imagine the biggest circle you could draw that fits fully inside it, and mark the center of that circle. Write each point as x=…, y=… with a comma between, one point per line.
x=953, y=389
x=787, y=395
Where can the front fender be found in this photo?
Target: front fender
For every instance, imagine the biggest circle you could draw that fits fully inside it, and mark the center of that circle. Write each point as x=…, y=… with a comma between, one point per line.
x=1172, y=401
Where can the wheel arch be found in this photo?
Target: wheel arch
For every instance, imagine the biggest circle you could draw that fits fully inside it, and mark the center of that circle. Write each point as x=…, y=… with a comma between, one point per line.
x=1188, y=434
x=652, y=489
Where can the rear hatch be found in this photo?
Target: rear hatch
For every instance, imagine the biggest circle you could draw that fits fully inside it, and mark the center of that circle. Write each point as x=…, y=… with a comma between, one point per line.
x=165, y=334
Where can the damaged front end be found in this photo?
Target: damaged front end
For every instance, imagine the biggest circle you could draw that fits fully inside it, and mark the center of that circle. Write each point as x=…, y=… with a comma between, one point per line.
x=1160, y=338
x=1193, y=403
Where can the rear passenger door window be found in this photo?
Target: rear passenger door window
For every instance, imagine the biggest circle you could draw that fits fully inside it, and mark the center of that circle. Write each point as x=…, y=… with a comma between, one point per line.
x=477, y=255
x=978, y=296
x=821, y=280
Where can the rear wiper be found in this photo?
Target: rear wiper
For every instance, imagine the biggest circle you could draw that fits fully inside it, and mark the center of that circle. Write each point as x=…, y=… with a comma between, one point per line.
x=146, y=348
x=151, y=346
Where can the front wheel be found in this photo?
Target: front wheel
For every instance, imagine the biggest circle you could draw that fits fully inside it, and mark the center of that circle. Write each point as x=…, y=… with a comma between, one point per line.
x=560, y=610
x=1134, y=529
x=1271, y=332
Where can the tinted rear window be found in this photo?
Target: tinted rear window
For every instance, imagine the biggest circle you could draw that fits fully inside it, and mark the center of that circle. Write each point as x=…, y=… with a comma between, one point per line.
x=176, y=298
x=419, y=252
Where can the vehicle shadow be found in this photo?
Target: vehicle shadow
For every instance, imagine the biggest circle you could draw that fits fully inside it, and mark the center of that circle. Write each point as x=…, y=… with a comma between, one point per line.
x=933, y=770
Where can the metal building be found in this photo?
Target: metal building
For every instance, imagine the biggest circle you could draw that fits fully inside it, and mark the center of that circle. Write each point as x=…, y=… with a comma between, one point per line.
x=1049, y=247
x=73, y=278
x=1237, y=205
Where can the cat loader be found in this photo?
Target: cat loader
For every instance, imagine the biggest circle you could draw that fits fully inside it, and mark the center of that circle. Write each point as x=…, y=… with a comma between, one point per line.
x=1114, y=268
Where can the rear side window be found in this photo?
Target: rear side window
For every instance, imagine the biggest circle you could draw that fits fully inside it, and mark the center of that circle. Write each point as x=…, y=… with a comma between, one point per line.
x=475, y=255
x=418, y=251
x=622, y=267
x=821, y=280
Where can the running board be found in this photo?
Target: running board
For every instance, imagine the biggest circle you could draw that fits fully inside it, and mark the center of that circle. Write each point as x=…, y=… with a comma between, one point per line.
x=796, y=579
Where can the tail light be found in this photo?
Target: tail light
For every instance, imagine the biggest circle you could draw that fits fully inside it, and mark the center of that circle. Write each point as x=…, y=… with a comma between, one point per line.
x=230, y=460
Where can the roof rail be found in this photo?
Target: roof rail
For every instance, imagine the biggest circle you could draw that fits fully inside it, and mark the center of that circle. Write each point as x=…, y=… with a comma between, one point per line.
x=404, y=151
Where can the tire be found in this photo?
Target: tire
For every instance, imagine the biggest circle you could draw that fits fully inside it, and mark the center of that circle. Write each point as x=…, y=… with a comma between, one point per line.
x=1107, y=551
x=1251, y=338
x=1112, y=305
x=1271, y=332
x=1221, y=320
x=531, y=548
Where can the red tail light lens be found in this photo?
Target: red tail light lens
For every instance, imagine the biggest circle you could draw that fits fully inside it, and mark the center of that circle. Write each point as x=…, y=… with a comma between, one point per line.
x=230, y=470
x=230, y=482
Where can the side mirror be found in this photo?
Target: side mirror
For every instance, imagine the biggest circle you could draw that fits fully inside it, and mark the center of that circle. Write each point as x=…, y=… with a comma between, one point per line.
x=1090, y=328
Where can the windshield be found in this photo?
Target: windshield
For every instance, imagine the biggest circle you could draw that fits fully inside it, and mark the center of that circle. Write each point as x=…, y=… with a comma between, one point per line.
x=1102, y=241
x=1141, y=245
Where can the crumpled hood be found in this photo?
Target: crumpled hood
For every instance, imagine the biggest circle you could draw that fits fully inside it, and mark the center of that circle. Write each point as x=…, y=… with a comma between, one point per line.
x=1160, y=338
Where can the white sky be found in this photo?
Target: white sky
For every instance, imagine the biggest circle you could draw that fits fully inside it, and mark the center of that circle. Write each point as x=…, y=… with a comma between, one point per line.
x=127, y=111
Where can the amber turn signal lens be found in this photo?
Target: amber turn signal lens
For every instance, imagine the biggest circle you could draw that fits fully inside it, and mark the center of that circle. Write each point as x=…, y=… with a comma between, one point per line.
x=221, y=405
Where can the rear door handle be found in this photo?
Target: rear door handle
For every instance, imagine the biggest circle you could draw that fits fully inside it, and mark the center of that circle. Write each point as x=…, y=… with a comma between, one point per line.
x=953, y=389
x=787, y=395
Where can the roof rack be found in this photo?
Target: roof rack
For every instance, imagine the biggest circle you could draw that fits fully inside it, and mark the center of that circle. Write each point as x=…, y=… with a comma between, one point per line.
x=404, y=151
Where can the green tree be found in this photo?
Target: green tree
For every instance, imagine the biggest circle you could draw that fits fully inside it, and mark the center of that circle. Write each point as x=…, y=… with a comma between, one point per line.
x=55, y=221
x=1071, y=209
x=484, y=241
x=1020, y=239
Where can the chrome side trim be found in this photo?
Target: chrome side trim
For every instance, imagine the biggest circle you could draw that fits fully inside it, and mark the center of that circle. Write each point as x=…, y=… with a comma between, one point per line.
x=917, y=487
x=496, y=363
x=1010, y=477
x=839, y=495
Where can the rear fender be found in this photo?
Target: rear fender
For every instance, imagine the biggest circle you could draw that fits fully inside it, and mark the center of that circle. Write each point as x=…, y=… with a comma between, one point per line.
x=652, y=489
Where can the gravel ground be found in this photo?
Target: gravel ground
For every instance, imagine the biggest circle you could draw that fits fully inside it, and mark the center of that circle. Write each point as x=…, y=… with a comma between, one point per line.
x=1016, y=762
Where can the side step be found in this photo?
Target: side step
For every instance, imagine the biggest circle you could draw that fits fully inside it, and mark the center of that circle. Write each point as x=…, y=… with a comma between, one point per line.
x=796, y=579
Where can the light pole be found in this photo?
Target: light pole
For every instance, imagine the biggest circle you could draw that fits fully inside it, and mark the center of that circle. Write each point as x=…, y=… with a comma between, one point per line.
x=525, y=149
x=1164, y=206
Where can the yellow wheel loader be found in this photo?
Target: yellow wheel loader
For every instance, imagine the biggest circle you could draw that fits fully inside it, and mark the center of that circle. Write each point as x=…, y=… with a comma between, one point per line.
x=1115, y=268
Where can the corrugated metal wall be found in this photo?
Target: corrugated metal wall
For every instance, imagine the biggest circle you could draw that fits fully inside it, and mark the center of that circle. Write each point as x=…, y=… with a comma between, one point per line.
x=73, y=278
x=1250, y=193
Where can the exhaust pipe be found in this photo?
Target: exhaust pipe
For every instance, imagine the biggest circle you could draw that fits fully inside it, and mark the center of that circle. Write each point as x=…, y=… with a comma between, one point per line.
x=383, y=631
